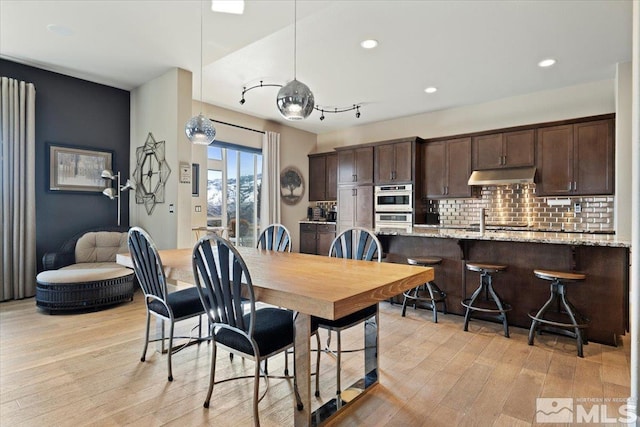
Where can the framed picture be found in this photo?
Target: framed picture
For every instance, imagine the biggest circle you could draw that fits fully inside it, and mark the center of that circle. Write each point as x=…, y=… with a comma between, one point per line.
x=78, y=169
x=291, y=185
x=195, y=179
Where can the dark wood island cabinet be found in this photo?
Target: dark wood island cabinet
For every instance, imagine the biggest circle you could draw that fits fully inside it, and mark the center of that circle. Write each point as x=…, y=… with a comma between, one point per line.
x=603, y=297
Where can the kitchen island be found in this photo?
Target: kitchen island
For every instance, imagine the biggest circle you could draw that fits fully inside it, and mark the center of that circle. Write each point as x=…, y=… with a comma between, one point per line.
x=603, y=297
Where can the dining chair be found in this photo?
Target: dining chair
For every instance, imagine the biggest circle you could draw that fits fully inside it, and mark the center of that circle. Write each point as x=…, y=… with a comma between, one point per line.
x=221, y=276
x=360, y=244
x=172, y=307
x=275, y=237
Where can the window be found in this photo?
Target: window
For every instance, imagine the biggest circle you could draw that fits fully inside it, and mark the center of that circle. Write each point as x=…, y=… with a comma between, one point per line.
x=233, y=192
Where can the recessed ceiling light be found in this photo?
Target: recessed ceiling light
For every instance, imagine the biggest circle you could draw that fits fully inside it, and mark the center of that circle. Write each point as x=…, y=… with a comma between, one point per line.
x=369, y=44
x=228, y=6
x=60, y=30
x=431, y=89
x=546, y=63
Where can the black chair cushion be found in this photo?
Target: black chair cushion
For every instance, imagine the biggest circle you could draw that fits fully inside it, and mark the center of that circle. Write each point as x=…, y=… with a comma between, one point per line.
x=273, y=331
x=349, y=319
x=183, y=303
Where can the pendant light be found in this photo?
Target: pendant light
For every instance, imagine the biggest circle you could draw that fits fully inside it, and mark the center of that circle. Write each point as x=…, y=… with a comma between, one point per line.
x=199, y=129
x=295, y=100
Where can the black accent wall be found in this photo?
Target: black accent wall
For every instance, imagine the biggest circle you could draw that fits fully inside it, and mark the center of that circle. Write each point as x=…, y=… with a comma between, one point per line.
x=74, y=112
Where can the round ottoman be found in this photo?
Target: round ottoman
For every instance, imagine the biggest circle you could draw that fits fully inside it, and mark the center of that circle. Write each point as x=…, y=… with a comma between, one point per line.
x=70, y=289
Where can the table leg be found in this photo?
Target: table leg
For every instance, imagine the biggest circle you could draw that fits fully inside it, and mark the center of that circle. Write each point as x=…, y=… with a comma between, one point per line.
x=302, y=368
x=371, y=351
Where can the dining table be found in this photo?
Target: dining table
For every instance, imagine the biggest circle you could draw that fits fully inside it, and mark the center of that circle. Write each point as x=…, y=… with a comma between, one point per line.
x=313, y=285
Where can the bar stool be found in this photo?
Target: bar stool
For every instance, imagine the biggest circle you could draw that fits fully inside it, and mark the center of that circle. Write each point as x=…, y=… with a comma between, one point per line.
x=556, y=321
x=490, y=302
x=435, y=294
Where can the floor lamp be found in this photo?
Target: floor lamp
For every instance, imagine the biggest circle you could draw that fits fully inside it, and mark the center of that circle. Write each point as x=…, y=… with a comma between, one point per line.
x=115, y=193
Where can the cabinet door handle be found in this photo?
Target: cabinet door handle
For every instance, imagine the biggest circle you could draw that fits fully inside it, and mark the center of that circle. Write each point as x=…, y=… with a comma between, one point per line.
x=575, y=185
x=504, y=160
x=569, y=185
x=500, y=160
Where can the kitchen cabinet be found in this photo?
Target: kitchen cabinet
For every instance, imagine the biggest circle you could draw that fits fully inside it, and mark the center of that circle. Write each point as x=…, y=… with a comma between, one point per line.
x=447, y=166
x=393, y=163
x=355, y=207
x=355, y=166
x=323, y=174
x=316, y=238
x=576, y=159
x=503, y=150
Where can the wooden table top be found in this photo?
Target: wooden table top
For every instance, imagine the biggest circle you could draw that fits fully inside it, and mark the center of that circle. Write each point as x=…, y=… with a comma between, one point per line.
x=317, y=285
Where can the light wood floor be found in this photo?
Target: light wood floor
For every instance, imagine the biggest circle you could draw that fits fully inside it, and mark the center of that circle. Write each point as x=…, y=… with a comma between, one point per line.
x=74, y=370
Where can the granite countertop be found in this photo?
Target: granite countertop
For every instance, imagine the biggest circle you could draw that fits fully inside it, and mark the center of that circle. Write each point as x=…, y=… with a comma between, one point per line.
x=306, y=221
x=586, y=239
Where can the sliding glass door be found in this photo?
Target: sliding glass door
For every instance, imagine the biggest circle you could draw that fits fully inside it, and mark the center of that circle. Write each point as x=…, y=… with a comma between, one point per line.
x=233, y=192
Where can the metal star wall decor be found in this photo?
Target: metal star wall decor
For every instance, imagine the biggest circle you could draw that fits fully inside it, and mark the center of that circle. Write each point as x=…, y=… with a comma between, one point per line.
x=151, y=173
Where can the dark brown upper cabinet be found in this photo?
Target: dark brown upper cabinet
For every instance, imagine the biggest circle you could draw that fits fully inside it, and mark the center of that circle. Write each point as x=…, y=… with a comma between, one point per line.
x=504, y=150
x=447, y=166
x=323, y=175
x=393, y=163
x=355, y=166
x=576, y=159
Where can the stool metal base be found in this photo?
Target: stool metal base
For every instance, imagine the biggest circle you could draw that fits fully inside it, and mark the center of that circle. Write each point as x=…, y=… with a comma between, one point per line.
x=436, y=295
x=491, y=303
x=553, y=322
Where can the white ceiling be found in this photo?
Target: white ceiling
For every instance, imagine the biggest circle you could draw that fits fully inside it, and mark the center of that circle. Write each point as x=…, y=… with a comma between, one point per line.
x=472, y=51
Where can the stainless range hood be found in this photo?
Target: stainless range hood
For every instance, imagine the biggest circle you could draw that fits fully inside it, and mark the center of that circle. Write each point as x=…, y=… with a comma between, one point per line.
x=503, y=176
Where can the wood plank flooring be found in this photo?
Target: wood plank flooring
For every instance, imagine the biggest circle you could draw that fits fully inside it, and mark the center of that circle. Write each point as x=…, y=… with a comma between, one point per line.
x=85, y=369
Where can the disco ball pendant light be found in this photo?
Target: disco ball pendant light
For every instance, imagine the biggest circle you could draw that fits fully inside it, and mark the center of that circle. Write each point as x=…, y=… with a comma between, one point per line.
x=295, y=100
x=199, y=129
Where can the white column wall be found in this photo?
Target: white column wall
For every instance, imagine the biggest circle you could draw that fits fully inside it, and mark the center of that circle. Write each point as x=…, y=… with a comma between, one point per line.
x=162, y=106
x=622, y=218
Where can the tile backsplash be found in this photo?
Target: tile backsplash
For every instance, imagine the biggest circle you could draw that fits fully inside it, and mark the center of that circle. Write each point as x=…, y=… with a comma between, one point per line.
x=517, y=205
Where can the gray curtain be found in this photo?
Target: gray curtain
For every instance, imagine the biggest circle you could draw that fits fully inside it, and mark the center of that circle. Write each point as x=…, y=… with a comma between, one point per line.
x=17, y=189
x=270, y=192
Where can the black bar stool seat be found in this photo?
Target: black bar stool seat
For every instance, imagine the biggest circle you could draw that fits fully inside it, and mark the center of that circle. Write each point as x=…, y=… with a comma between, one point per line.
x=565, y=319
x=433, y=296
x=484, y=298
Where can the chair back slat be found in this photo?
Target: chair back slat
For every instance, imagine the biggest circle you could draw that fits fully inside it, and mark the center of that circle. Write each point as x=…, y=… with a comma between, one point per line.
x=147, y=264
x=356, y=243
x=275, y=237
x=220, y=275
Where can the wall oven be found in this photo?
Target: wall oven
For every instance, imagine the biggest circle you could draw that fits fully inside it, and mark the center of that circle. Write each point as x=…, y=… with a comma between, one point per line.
x=394, y=222
x=394, y=198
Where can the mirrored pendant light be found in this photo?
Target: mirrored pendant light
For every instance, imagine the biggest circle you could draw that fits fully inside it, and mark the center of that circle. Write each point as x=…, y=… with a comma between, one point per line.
x=199, y=129
x=295, y=100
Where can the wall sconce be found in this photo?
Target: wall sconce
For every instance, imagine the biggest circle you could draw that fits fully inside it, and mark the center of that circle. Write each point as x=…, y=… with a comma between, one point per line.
x=114, y=193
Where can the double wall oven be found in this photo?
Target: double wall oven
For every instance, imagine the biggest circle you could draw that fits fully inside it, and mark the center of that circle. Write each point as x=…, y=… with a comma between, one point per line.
x=393, y=207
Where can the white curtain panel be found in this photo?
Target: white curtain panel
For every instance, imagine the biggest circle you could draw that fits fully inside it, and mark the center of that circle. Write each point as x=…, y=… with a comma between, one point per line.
x=270, y=193
x=17, y=189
